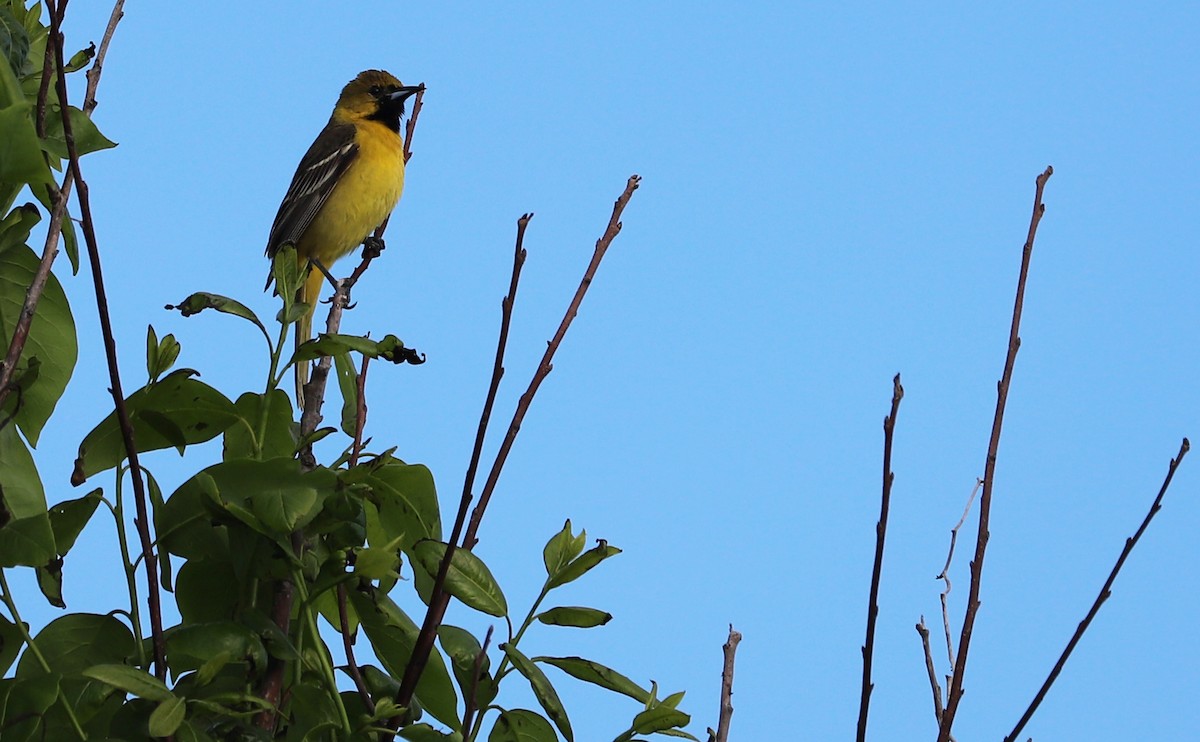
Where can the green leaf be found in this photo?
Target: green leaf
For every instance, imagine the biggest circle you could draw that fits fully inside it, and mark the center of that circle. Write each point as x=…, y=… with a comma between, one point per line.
x=167, y=717
x=185, y=525
x=176, y=411
x=467, y=579
x=20, y=152
x=280, y=495
x=287, y=273
x=392, y=635
x=206, y=590
x=279, y=439
x=49, y=578
x=561, y=549
x=659, y=718
x=14, y=42
x=202, y=300
x=25, y=534
x=189, y=647
x=15, y=228
x=520, y=725
x=88, y=138
x=160, y=354
x=76, y=641
x=80, y=59
x=464, y=650
x=51, y=340
x=406, y=498
x=597, y=674
x=573, y=615
x=376, y=564
x=347, y=377
x=68, y=518
x=29, y=699
x=11, y=642
x=426, y=733
x=543, y=690
x=583, y=564
x=131, y=680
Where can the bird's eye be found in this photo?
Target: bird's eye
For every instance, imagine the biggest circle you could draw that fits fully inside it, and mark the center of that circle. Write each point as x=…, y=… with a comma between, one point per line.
x=375, y=90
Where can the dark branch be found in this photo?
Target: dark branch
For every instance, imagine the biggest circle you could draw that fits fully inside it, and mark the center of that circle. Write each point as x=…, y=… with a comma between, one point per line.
x=955, y=691
x=544, y=368
x=58, y=197
x=726, y=717
x=440, y=600
x=868, y=650
x=1105, y=592
x=110, y=349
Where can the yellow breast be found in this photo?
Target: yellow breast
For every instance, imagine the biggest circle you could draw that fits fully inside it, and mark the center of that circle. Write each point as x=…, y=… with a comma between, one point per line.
x=364, y=196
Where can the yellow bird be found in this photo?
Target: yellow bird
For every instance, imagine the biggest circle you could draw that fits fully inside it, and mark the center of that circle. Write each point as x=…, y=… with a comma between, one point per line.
x=346, y=185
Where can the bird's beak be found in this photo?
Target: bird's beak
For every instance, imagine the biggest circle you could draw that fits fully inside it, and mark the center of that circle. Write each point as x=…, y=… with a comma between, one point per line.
x=405, y=93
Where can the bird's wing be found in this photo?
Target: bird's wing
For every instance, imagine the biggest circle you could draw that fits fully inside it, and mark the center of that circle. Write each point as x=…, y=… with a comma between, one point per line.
x=319, y=171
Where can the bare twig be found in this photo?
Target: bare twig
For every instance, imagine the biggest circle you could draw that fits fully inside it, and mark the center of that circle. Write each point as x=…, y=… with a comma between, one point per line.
x=546, y=365
x=348, y=645
x=1105, y=593
x=424, y=644
x=955, y=691
x=110, y=348
x=932, y=670
x=945, y=575
x=726, y=717
x=469, y=705
x=868, y=649
x=439, y=599
x=58, y=197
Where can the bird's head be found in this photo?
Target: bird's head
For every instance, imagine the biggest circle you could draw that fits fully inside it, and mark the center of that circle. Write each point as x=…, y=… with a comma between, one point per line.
x=375, y=95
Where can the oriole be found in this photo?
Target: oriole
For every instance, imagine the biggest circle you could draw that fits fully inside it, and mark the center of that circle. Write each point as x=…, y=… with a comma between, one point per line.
x=346, y=185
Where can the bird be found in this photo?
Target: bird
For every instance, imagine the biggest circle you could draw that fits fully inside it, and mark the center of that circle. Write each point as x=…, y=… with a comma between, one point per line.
x=346, y=185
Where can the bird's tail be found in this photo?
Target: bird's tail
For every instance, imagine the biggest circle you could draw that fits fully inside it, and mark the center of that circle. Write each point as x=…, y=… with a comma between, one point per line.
x=309, y=293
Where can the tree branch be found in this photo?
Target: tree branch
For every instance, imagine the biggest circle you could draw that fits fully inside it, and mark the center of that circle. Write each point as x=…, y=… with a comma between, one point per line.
x=142, y=522
x=726, y=717
x=868, y=649
x=955, y=691
x=1105, y=592
x=58, y=197
x=439, y=598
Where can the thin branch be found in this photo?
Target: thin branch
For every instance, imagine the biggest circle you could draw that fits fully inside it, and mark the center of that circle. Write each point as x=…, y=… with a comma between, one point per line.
x=469, y=705
x=58, y=197
x=955, y=691
x=932, y=670
x=110, y=350
x=1105, y=593
x=868, y=649
x=348, y=645
x=544, y=368
x=945, y=575
x=439, y=599
x=726, y=717
x=424, y=643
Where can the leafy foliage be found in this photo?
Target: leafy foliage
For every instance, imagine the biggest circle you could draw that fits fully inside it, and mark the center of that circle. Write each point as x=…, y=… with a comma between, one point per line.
x=342, y=541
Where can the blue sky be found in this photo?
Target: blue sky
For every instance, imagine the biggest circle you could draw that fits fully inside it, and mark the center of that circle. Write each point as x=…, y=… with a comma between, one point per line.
x=831, y=194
